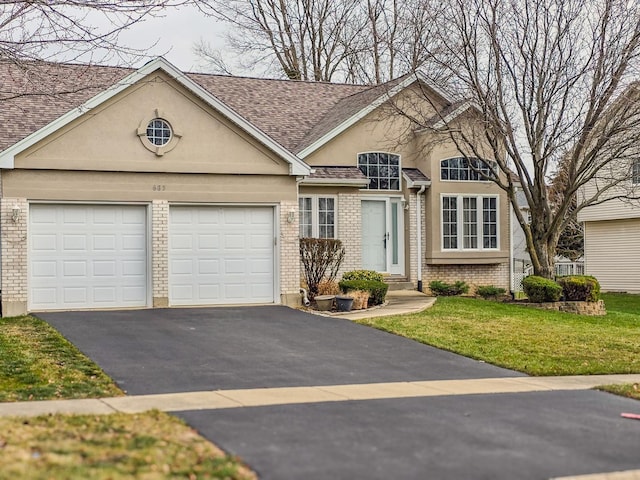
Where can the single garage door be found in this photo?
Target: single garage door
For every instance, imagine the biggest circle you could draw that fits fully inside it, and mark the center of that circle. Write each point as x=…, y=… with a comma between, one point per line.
x=221, y=255
x=87, y=256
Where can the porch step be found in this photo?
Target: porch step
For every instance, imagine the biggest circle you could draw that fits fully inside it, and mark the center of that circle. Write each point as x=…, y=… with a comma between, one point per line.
x=399, y=283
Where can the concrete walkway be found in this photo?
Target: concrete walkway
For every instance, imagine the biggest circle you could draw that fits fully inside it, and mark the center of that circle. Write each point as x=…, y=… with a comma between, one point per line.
x=399, y=302
x=259, y=397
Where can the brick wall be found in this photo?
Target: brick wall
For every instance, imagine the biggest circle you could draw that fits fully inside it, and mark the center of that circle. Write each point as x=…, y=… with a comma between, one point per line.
x=289, y=255
x=160, y=252
x=350, y=231
x=475, y=275
x=14, y=256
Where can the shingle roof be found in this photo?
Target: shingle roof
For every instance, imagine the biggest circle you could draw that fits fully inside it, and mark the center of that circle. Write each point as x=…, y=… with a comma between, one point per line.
x=415, y=175
x=26, y=100
x=284, y=109
x=345, y=173
x=293, y=113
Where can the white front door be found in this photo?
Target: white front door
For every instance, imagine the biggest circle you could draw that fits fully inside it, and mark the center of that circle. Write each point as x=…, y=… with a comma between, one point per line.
x=382, y=235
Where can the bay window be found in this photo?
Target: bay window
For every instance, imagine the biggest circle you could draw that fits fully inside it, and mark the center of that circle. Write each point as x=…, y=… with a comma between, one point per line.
x=469, y=222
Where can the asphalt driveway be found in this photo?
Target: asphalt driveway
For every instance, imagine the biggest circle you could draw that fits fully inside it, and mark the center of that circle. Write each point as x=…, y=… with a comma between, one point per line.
x=182, y=350
x=534, y=435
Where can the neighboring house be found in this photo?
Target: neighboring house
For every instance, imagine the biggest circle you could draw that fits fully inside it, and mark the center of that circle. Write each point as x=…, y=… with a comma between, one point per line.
x=612, y=238
x=521, y=260
x=155, y=187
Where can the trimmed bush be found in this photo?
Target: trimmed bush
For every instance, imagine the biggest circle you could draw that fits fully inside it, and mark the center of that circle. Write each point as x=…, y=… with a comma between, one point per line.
x=377, y=290
x=363, y=275
x=489, y=291
x=580, y=288
x=444, y=289
x=540, y=289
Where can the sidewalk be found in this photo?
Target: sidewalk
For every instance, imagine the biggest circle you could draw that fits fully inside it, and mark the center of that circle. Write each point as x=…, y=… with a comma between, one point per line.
x=257, y=397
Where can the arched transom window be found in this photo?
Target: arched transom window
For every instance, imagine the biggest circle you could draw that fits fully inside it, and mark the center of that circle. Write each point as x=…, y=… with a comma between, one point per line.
x=464, y=169
x=382, y=169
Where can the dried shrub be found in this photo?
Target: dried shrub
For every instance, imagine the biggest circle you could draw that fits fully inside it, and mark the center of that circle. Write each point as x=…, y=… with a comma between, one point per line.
x=328, y=287
x=360, y=299
x=321, y=259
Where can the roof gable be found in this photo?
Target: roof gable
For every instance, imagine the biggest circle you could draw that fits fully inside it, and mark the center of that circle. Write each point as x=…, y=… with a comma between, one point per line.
x=7, y=157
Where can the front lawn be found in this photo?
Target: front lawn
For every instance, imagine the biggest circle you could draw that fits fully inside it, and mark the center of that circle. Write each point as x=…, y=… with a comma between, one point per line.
x=150, y=445
x=37, y=363
x=532, y=341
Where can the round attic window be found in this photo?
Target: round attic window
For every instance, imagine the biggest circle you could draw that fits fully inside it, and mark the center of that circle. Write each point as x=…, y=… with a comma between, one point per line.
x=159, y=132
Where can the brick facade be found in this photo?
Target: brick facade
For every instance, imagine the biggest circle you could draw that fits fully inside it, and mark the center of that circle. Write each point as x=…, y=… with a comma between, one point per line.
x=160, y=252
x=289, y=254
x=350, y=230
x=475, y=275
x=14, y=256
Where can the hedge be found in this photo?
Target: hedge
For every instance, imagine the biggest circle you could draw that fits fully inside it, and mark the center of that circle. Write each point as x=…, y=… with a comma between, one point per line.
x=377, y=290
x=444, y=289
x=363, y=275
x=540, y=289
x=580, y=288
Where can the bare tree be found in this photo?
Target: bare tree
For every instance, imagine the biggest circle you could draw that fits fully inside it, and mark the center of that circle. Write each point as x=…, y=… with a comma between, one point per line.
x=307, y=39
x=551, y=85
x=34, y=33
x=356, y=41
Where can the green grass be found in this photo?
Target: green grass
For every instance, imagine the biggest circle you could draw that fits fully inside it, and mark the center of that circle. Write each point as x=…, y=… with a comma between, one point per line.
x=37, y=363
x=151, y=445
x=631, y=390
x=532, y=341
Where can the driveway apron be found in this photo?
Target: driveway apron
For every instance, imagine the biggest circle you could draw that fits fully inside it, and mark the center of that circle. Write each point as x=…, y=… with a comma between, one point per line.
x=180, y=350
x=534, y=435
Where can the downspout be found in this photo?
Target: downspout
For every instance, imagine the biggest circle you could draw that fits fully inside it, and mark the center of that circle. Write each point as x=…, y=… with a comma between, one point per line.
x=419, y=234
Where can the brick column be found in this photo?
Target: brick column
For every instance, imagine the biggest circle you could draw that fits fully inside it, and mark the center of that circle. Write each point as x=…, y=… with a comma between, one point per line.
x=350, y=231
x=289, y=255
x=13, y=249
x=160, y=252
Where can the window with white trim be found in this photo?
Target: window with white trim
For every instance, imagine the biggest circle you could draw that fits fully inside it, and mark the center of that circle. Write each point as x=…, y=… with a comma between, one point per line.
x=469, y=222
x=467, y=169
x=382, y=170
x=317, y=217
x=635, y=172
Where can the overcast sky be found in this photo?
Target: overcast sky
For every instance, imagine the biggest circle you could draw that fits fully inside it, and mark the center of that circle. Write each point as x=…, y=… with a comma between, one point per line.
x=176, y=32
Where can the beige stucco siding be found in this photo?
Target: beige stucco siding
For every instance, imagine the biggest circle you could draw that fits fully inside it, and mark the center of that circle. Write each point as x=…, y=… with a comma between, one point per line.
x=106, y=138
x=145, y=187
x=612, y=254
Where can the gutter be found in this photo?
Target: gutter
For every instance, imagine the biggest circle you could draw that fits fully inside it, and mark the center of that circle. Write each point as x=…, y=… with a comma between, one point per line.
x=419, y=234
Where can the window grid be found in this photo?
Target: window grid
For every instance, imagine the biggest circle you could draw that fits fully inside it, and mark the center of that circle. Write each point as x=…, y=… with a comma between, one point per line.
x=159, y=132
x=450, y=222
x=490, y=222
x=463, y=169
x=326, y=218
x=635, y=172
x=469, y=222
x=473, y=218
x=317, y=217
x=306, y=222
x=382, y=169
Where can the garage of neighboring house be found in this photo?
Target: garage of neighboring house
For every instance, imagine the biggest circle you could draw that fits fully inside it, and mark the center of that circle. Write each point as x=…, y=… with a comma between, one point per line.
x=221, y=255
x=87, y=256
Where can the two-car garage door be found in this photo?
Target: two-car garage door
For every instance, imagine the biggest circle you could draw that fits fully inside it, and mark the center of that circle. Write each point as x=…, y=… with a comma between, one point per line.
x=97, y=256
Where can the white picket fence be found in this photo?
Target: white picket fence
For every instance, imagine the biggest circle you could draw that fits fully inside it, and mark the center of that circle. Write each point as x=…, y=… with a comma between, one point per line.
x=521, y=270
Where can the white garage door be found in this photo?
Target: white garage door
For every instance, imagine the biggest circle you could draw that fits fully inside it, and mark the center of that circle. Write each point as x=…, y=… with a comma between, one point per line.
x=87, y=256
x=221, y=255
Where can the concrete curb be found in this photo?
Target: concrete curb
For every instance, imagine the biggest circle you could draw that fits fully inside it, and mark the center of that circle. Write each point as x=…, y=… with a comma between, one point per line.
x=223, y=399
